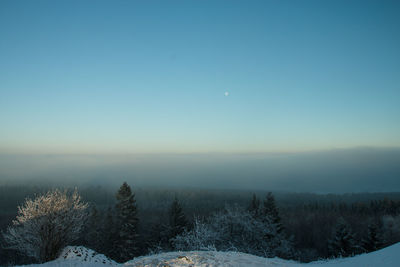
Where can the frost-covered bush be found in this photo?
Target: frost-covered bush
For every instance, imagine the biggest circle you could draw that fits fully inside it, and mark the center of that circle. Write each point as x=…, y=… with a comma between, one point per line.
x=46, y=224
x=201, y=237
x=240, y=231
x=235, y=229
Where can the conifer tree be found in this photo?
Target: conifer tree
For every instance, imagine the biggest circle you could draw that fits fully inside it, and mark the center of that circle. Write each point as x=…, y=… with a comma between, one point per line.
x=342, y=243
x=277, y=237
x=159, y=237
x=127, y=222
x=109, y=235
x=93, y=230
x=177, y=219
x=373, y=241
x=254, y=207
x=271, y=212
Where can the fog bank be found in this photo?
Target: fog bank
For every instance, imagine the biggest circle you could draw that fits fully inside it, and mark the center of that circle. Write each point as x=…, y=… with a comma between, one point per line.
x=335, y=171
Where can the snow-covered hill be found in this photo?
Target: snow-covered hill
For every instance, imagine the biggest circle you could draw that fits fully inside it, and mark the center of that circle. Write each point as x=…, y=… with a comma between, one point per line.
x=80, y=257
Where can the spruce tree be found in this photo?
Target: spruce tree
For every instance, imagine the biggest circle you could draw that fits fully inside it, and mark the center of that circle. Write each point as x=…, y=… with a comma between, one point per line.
x=277, y=238
x=127, y=223
x=254, y=207
x=342, y=243
x=271, y=212
x=93, y=230
x=109, y=235
x=158, y=240
x=373, y=241
x=177, y=219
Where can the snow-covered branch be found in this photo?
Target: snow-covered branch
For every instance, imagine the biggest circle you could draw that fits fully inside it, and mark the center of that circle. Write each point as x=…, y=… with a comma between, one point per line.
x=47, y=224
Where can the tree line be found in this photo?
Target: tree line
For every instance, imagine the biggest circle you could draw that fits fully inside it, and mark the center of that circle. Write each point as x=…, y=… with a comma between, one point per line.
x=117, y=226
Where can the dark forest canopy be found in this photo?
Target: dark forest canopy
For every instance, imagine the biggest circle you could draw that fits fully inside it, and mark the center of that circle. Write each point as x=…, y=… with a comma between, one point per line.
x=311, y=220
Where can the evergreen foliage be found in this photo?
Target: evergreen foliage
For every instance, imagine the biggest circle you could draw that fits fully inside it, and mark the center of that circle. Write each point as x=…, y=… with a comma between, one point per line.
x=373, y=240
x=109, y=235
x=126, y=243
x=177, y=219
x=342, y=243
x=307, y=217
x=93, y=230
x=271, y=212
x=159, y=240
x=254, y=207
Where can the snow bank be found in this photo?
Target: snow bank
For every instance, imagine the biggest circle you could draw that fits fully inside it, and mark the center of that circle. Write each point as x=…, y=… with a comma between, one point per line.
x=81, y=256
x=386, y=257
x=206, y=259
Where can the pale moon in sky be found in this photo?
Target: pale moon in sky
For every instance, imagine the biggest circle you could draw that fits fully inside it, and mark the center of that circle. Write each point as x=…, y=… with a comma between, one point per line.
x=226, y=93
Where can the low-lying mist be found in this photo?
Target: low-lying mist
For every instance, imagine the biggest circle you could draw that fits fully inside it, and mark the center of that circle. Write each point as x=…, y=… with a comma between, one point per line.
x=335, y=171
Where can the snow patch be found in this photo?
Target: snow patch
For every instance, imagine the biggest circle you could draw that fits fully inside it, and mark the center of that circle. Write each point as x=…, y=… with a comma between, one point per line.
x=205, y=258
x=83, y=254
x=83, y=257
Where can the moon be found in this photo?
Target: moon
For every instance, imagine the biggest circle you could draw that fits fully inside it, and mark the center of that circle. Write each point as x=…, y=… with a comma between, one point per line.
x=226, y=93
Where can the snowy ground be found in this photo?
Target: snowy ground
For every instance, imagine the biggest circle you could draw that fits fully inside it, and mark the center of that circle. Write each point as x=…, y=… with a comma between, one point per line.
x=80, y=256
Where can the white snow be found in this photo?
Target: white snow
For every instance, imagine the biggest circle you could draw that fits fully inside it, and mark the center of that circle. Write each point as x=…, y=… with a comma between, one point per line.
x=81, y=256
x=85, y=255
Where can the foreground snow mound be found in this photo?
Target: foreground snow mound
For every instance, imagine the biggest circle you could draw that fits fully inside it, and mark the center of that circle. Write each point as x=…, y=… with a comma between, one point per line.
x=78, y=256
x=205, y=259
x=387, y=257
x=83, y=257
x=82, y=254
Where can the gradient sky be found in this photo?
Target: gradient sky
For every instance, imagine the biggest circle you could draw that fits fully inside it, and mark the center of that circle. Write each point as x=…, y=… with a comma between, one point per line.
x=150, y=76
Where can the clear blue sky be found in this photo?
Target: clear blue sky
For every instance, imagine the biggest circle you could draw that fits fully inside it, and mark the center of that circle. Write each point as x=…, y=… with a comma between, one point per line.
x=150, y=76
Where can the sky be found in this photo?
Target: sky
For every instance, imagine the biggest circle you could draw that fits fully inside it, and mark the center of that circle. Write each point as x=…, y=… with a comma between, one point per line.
x=90, y=77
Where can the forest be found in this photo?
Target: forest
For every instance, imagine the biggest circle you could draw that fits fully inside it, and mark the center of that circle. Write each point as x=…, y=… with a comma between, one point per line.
x=126, y=222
